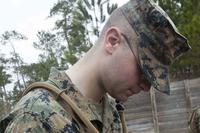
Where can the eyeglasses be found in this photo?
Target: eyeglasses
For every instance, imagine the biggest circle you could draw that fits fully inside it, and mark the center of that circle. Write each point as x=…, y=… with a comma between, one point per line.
x=142, y=76
x=129, y=45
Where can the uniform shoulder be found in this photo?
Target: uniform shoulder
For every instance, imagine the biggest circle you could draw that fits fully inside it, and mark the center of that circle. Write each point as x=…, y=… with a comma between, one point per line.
x=38, y=111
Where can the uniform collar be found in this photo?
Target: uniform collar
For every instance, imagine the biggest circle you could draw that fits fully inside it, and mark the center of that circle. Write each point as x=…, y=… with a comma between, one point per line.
x=91, y=110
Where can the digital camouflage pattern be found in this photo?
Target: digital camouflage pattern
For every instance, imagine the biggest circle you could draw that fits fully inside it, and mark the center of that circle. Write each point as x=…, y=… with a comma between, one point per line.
x=160, y=42
x=39, y=112
x=194, y=121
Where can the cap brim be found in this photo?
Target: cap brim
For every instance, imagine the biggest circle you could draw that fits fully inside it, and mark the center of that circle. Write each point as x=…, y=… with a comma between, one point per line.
x=155, y=72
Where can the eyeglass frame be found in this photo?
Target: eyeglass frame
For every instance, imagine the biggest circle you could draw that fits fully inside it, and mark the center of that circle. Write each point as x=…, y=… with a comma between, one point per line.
x=138, y=64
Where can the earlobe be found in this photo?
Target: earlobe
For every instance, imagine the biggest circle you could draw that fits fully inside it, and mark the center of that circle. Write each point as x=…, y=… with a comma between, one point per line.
x=113, y=39
x=109, y=49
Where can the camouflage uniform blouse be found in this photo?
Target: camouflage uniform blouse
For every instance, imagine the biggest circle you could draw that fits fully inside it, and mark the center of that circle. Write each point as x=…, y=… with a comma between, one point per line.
x=39, y=112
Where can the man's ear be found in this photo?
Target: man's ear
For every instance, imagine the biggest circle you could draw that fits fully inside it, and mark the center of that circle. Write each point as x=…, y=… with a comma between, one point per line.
x=112, y=39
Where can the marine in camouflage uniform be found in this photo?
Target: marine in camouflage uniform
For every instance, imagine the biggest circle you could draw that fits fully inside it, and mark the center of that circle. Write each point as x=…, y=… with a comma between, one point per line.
x=39, y=112
x=159, y=44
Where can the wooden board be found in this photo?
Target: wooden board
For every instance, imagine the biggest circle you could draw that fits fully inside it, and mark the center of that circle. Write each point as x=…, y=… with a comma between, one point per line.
x=159, y=113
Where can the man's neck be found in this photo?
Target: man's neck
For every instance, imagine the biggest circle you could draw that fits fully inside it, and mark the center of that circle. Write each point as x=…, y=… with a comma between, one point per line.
x=85, y=76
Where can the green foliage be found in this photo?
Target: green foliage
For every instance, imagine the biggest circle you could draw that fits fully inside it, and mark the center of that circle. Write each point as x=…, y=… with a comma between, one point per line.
x=52, y=51
x=77, y=18
x=39, y=71
x=70, y=27
x=5, y=79
x=111, y=8
x=96, y=10
x=14, y=96
x=6, y=65
x=64, y=9
x=8, y=36
x=50, y=44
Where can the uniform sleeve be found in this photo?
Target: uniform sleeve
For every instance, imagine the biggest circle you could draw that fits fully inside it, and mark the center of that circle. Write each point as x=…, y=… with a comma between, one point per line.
x=31, y=123
x=28, y=123
x=42, y=114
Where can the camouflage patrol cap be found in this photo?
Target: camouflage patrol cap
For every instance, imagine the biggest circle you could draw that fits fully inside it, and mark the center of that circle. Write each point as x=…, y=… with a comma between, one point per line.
x=160, y=43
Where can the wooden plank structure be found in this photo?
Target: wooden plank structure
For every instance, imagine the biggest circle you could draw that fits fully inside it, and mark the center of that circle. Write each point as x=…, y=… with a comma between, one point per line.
x=153, y=112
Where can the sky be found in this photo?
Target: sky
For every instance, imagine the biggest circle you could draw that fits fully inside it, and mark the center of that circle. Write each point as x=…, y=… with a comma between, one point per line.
x=27, y=17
